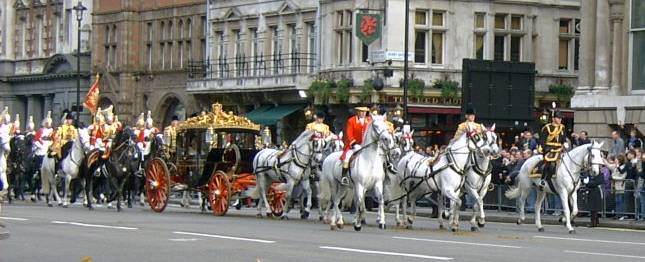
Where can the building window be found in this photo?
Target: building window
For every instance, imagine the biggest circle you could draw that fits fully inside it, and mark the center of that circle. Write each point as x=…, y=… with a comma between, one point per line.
x=39, y=36
x=509, y=34
x=149, y=40
x=365, y=53
x=568, y=44
x=344, y=37
x=254, y=50
x=429, y=40
x=180, y=28
x=479, y=46
x=420, y=39
x=499, y=47
x=637, y=31
x=311, y=32
x=420, y=17
x=479, y=20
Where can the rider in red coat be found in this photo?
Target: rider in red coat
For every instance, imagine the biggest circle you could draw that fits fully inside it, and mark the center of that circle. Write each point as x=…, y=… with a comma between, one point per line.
x=354, y=130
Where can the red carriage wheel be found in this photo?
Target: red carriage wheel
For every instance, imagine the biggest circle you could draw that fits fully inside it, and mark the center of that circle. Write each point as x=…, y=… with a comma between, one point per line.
x=277, y=200
x=219, y=193
x=157, y=184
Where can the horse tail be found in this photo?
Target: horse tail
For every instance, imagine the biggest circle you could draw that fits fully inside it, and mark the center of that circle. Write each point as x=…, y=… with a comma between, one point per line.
x=513, y=192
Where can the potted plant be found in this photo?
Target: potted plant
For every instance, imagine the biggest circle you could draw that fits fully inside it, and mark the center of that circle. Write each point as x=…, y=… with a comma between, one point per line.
x=342, y=90
x=562, y=92
x=366, y=91
x=449, y=89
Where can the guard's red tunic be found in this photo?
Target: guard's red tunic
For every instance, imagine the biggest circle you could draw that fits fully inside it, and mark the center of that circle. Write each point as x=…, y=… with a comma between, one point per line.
x=354, y=133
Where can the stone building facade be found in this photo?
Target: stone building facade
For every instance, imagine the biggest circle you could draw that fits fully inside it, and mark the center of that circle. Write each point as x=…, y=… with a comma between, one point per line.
x=611, y=91
x=443, y=33
x=38, y=43
x=143, y=50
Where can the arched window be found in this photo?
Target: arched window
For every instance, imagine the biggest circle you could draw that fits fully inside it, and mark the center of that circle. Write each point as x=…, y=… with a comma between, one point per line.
x=180, y=28
x=189, y=29
x=162, y=29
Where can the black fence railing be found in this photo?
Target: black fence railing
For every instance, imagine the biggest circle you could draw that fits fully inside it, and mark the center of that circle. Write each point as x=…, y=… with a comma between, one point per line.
x=253, y=66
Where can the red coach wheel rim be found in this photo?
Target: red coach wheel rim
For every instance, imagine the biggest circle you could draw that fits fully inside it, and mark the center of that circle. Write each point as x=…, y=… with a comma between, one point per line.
x=218, y=193
x=157, y=184
x=278, y=201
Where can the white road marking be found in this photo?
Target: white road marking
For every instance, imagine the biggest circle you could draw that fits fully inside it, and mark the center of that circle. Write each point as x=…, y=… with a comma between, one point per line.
x=183, y=239
x=622, y=229
x=592, y=240
x=602, y=254
x=14, y=218
x=93, y=225
x=225, y=237
x=455, y=242
x=385, y=253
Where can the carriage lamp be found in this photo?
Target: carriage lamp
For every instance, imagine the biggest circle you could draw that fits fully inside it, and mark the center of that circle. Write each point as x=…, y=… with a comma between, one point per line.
x=544, y=117
x=398, y=111
x=309, y=112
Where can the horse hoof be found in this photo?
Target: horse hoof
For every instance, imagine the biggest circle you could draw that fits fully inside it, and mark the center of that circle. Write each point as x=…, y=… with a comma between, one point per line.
x=441, y=226
x=363, y=222
x=445, y=215
x=541, y=229
x=561, y=220
x=410, y=221
x=65, y=205
x=285, y=217
x=60, y=204
x=304, y=215
x=481, y=225
x=572, y=231
x=129, y=205
x=50, y=205
x=382, y=226
x=258, y=215
x=357, y=228
x=519, y=221
x=332, y=227
x=339, y=226
x=454, y=229
x=320, y=218
x=474, y=229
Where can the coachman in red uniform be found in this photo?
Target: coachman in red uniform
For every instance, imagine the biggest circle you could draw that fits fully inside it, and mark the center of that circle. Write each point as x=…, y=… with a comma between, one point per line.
x=354, y=130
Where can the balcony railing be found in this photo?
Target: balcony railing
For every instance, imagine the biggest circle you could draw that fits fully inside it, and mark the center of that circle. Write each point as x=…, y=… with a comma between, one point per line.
x=241, y=67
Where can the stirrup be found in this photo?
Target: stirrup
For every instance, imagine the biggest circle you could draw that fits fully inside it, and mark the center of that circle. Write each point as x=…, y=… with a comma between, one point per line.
x=344, y=181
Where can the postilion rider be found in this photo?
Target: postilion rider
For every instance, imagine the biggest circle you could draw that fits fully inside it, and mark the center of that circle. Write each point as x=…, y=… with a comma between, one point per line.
x=468, y=125
x=552, y=142
x=354, y=130
x=66, y=133
x=319, y=125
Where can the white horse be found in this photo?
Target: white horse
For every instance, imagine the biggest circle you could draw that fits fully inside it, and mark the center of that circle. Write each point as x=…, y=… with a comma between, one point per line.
x=5, y=148
x=292, y=166
x=367, y=172
x=48, y=180
x=566, y=181
x=419, y=175
x=334, y=143
x=70, y=166
x=393, y=191
x=478, y=177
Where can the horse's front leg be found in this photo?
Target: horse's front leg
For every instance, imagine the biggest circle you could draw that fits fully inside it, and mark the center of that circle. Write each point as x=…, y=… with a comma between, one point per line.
x=359, y=198
x=538, y=210
x=473, y=220
x=564, y=198
x=288, y=194
x=262, y=187
x=574, y=205
x=441, y=206
x=378, y=191
x=68, y=182
x=308, y=190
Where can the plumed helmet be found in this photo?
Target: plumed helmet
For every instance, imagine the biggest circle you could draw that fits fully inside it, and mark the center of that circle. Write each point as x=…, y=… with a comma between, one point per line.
x=99, y=118
x=149, y=120
x=6, y=117
x=16, y=121
x=48, y=119
x=65, y=114
x=30, y=123
x=109, y=115
x=141, y=121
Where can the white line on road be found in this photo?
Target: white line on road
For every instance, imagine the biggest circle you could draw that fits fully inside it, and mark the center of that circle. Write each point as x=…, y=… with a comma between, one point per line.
x=183, y=239
x=455, y=242
x=14, y=218
x=225, y=237
x=92, y=225
x=591, y=240
x=602, y=254
x=385, y=253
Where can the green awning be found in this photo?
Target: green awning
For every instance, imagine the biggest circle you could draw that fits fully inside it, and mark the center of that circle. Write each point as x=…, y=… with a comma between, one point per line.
x=269, y=115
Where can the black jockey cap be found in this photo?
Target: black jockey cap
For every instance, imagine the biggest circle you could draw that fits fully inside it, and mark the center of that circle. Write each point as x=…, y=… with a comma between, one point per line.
x=68, y=115
x=557, y=114
x=382, y=110
x=470, y=111
x=320, y=114
x=175, y=118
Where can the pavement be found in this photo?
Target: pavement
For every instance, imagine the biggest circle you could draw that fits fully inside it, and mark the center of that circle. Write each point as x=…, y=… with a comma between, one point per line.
x=39, y=233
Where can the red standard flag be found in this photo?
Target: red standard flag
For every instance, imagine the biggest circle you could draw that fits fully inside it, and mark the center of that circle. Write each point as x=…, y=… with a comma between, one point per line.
x=92, y=97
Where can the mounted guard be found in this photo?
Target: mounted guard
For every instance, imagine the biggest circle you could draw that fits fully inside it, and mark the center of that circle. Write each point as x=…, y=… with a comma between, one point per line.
x=552, y=143
x=5, y=122
x=145, y=134
x=15, y=127
x=98, y=135
x=43, y=140
x=66, y=133
x=354, y=130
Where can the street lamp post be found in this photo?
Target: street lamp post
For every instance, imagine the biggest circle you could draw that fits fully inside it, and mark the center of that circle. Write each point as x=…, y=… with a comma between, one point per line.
x=405, y=60
x=79, y=8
